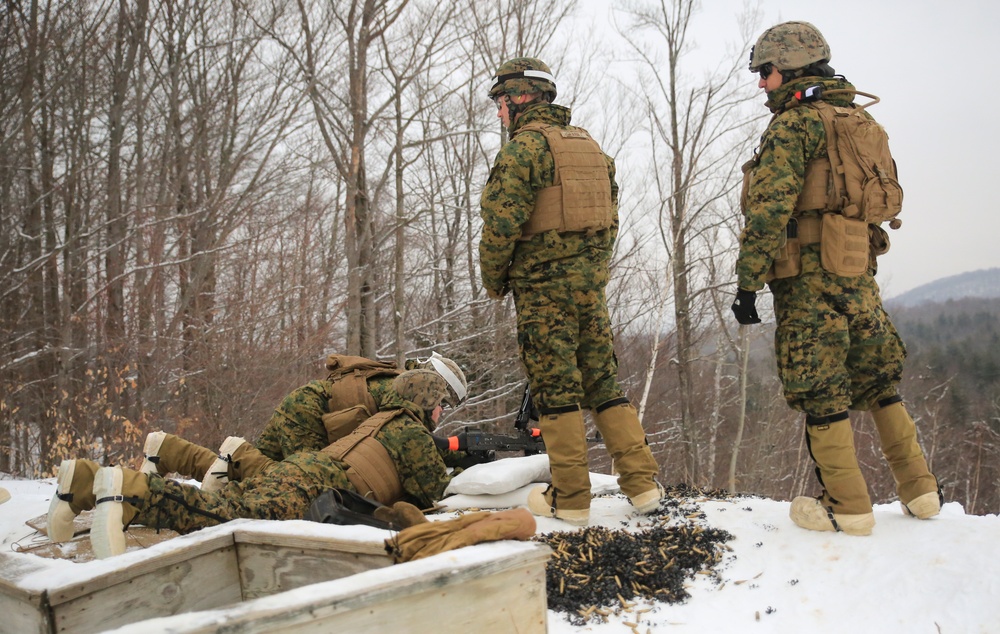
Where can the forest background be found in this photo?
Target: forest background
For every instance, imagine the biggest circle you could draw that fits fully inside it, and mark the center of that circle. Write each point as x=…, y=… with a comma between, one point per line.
x=199, y=201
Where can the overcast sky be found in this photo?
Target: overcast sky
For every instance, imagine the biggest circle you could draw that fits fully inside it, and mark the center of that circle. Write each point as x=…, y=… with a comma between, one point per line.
x=933, y=65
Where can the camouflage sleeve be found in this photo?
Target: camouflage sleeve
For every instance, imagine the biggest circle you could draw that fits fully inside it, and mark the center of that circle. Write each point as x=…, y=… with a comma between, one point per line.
x=507, y=202
x=789, y=143
x=297, y=422
x=421, y=469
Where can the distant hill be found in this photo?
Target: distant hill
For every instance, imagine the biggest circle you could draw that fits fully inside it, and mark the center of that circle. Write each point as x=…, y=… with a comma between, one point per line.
x=983, y=284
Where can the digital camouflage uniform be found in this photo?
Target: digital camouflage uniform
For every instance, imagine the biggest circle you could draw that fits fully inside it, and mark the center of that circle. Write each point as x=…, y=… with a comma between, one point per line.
x=285, y=489
x=297, y=422
x=558, y=279
x=835, y=346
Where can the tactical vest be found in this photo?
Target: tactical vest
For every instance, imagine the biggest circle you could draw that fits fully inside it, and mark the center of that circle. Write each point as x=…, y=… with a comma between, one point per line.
x=845, y=195
x=350, y=402
x=580, y=196
x=370, y=469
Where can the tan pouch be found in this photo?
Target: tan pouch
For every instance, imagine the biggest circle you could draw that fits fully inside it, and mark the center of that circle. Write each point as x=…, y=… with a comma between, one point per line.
x=844, y=245
x=340, y=423
x=788, y=262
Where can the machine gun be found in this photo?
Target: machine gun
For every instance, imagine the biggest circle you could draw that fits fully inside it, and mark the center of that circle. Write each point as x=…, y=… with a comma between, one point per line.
x=483, y=446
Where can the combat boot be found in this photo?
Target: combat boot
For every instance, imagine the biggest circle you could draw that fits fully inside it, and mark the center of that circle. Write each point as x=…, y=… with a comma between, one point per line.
x=810, y=513
x=74, y=494
x=619, y=425
x=844, y=504
x=237, y=460
x=568, y=498
x=118, y=493
x=916, y=486
x=165, y=453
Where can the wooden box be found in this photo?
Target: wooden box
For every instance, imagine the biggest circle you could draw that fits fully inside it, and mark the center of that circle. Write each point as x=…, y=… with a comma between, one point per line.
x=278, y=577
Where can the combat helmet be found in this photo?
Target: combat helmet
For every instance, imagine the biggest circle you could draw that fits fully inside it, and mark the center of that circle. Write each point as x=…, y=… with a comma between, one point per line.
x=451, y=373
x=790, y=46
x=524, y=76
x=424, y=388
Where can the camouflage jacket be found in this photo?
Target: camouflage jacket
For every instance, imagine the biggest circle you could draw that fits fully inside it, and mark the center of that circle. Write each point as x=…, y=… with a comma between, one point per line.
x=522, y=167
x=793, y=137
x=421, y=469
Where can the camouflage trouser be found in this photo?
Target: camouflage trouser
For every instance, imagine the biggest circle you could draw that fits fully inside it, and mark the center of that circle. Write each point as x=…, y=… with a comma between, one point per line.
x=564, y=334
x=283, y=491
x=835, y=346
x=297, y=423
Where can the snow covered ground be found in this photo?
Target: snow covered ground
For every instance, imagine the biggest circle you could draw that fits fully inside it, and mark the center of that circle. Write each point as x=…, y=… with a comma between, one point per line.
x=934, y=576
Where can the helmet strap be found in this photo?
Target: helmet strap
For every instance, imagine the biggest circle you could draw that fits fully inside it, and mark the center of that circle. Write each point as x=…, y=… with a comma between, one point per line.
x=517, y=109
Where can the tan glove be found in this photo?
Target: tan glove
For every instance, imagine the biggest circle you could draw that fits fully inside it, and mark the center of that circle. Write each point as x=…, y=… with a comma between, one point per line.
x=431, y=538
x=401, y=514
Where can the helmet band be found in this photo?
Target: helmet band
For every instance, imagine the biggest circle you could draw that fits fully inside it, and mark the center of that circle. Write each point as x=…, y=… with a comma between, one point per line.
x=530, y=74
x=449, y=376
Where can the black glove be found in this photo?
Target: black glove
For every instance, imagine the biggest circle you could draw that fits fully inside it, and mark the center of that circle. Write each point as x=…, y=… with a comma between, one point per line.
x=743, y=307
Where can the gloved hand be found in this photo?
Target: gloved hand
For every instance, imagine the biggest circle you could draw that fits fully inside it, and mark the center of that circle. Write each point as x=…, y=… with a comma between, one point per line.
x=401, y=515
x=498, y=294
x=744, y=308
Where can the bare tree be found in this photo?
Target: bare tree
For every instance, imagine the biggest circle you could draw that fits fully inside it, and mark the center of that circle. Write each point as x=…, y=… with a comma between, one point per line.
x=692, y=128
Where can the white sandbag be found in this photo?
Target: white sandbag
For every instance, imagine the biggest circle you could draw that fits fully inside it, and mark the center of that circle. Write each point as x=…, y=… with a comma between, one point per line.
x=500, y=476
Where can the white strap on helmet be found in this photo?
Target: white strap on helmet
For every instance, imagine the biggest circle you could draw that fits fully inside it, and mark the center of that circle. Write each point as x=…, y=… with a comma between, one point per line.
x=453, y=381
x=518, y=74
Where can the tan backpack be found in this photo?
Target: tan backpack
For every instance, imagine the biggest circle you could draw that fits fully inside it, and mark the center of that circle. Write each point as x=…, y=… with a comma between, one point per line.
x=857, y=180
x=350, y=401
x=860, y=181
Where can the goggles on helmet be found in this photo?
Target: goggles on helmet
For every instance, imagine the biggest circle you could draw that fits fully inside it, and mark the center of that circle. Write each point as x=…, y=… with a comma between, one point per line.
x=453, y=381
x=523, y=74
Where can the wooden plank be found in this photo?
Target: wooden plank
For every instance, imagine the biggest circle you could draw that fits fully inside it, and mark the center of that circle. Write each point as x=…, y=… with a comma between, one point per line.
x=275, y=561
x=263, y=537
x=458, y=591
x=79, y=551
x=13, y=569
x=177, y=583
x=270, y=569
x=22, y=616
x=81, y=523
x=186, y=549
x=511, y=600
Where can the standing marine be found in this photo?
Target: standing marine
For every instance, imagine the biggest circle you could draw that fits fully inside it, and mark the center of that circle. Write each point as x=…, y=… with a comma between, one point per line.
x=550, y=219
x=815, y=195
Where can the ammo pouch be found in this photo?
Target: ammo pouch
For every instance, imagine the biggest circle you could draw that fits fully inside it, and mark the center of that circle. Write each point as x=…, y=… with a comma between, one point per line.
x=844, y=245
x=346, y=508
x=788, y=261
x=340, y=423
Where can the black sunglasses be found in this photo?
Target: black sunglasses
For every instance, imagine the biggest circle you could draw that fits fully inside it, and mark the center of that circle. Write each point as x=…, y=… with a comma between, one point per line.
x=498, y=100
x=765, y=70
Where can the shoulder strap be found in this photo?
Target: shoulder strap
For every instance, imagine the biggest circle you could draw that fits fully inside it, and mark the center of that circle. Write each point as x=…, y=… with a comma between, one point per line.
x=367, y=429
